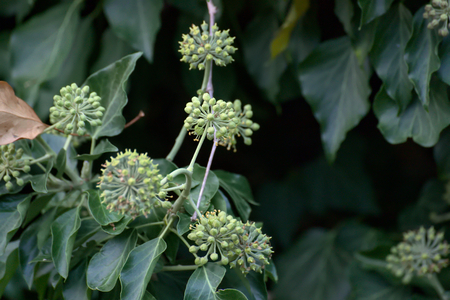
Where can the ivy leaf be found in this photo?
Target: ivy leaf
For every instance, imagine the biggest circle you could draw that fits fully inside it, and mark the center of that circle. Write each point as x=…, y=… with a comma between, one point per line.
x=109, y=83
x=40, y=46
x=173, y=243
x=183, y=223
x=372, y=9
x=281, y=40
x=75, y=287
x=442, y=154
x=39, y=182
x=138, y=269
x=64, y=231
x=9, y=262
x=204, y=281
x=415, y=122
x=13, y=209
x=444, y=54
x=17, y=119
x=238, y=188
x=118, y=227
x=60, y=164
x=102, y=215
x=421, y=56
x=105, y=266
x=141, y=29
x=313, y=263
x=344, y=10
x=219, y=201
x=104, y=146
x=265, y=71
x=230, y=294
x=252, y=286
x=387, y=54
x=211, y=188
x=337, y=90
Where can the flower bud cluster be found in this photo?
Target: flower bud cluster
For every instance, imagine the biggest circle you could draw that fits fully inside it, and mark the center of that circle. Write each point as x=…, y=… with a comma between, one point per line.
x=229, y=241
x=199, y=47
x=74, y=108
x=130, y=183
x=11, y=164
x=438, y=11
x=420, y=253
x=221, y=119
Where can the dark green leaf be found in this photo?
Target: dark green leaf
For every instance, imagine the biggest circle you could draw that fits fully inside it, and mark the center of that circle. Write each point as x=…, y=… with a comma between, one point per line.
x=444, y=54
x=415, y=122
x=111, y=49
x=60, y=164
x=271, y=271
x=109, y=83
x=312, y=264
x=370, y=285
x=118, y=227
x=64, y=231
x=204, y=281
x=88, y=228
x=421, y=56
x=170, y=285
x=148, y=296
x=99, y=211
x=164, y=166
x=39, y=182
x=40, y=46
x=230, y=294
x=74, y=68
x=211, y=187
x=238, y=188
x=392, y=34
x=75, y=287
x=265, y=71
x=372, y=9
x=9, y=262
x=252, y=286
x=19, y=8
x=36, y=207
x=105, y=266
x=344, y=10
x=219, y=201
x=104, y=146
x=139, y=30
x=12, y=213
x=337, y=90
x=173, y=242
x=139, y=267
x=183, y=223
x=442, y=154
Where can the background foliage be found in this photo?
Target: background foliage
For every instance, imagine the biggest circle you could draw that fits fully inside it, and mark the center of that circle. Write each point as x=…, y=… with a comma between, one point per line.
x=362, y=84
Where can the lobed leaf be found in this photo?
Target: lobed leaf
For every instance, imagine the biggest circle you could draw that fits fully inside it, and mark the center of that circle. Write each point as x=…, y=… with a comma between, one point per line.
x=138, y=269
x=17, y=119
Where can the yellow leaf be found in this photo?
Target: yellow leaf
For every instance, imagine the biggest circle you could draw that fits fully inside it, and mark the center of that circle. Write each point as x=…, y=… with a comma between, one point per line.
x=17, y=119
x=280, y=42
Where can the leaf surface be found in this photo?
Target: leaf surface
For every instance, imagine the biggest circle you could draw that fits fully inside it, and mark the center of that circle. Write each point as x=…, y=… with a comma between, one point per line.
x=104, y=146
x=211, y=187
x=372, y=9
x=102, y=215
x=204, y=281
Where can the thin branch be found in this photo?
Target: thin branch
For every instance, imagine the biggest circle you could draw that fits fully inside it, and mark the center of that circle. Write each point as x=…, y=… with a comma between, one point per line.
x=140, y=115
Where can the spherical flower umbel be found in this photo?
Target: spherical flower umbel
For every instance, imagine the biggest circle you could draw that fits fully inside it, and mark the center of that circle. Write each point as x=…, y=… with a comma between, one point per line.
x=421, y=252
x=11, y=164
x=74, y=108
x=130, y=183
x=438, y=11
x=199, y=47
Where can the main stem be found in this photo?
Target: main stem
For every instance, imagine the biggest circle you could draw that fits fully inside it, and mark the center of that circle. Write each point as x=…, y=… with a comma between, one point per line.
x=437, y=286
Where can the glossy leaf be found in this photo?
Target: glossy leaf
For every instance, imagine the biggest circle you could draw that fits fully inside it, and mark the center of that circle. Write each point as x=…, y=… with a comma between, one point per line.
x=105, y=266
x=337, y=90
x=98, y=210
x=183, y=223
x=138, y=269
x=204, y=281
x=39, y=182
x=173, y=243
x=415, y=122
x=211, y=187
x=392, y=34
x=141, y=29
x=9, y=262
x=17, y=119
x=36, y=207
x=64, y=231
x=265, y=71
x=118, y=227
x=230, y=294
x=40, y=46
x=281, y=40
x=421, y=56
x=372, y=9
x=104, y=146
x=75, y=287
x=88, y=228
x=238, y=188
x=13, y=209
x=109, y=83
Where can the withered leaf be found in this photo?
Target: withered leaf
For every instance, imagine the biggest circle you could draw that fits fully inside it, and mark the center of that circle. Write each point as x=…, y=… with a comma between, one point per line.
x=17, y=119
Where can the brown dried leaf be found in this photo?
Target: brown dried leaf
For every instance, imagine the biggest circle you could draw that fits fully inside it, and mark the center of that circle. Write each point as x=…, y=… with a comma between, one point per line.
x=17, y=119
